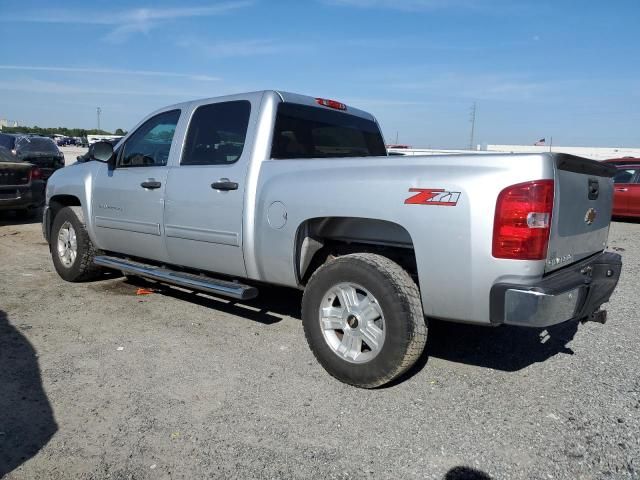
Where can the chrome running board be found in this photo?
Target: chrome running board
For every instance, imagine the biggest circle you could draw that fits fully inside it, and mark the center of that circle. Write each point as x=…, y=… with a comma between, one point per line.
x=182, y=279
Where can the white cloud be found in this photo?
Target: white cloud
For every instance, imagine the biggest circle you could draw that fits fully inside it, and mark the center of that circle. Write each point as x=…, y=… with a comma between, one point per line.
x=126, y=22
x=32, y=85
x=474, y=86
x=241, y=48
x=109, y=71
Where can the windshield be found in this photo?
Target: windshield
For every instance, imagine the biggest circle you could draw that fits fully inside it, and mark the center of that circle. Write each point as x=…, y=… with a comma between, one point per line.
x=311, y=132
x=36, y=144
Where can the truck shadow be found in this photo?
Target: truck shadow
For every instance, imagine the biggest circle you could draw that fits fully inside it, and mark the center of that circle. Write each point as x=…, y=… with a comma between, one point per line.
x=26, y=417
x=502, y=348
x=271, y=306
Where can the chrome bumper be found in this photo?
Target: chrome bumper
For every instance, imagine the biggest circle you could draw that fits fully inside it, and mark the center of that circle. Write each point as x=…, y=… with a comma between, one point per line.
x=575, y=292
x=530, y=308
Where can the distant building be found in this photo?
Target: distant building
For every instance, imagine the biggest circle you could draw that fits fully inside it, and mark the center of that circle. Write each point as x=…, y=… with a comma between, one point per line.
x=7, y=123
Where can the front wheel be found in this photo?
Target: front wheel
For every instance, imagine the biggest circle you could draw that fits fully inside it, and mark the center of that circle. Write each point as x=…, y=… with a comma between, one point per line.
x=363, y=319
x=71, y=248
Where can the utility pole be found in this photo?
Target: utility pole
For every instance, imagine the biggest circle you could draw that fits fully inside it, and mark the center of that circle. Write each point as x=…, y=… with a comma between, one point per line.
x=98, y=112
x=397, y=137
x=473, y=125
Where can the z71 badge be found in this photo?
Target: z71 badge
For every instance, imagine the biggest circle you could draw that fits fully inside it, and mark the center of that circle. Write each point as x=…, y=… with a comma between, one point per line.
x=433, y=196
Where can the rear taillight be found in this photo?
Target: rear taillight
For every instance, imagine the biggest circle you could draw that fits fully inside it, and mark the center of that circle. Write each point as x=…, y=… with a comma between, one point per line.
x=35, y=174
x=523, y=221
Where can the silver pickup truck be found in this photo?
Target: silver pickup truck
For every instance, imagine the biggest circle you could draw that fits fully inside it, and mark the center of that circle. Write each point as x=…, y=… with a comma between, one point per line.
x=224, y=194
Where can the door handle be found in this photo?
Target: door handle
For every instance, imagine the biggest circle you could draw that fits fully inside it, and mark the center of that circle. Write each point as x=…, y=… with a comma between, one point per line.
x=621, y=189
x=224, y=184
x=151, y=184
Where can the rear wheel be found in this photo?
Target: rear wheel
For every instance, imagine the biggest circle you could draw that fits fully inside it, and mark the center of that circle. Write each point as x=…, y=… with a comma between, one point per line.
x=363, y=319
x=71, y=248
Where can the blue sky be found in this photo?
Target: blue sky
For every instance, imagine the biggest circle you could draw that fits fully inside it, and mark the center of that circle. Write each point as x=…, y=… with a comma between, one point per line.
x=536, y=69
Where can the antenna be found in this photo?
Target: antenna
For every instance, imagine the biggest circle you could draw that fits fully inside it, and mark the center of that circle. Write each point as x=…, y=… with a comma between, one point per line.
x=473, y=125
x=98, y=112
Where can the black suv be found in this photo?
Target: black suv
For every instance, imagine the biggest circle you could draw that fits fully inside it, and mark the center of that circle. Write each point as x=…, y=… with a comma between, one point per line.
x=39, y=151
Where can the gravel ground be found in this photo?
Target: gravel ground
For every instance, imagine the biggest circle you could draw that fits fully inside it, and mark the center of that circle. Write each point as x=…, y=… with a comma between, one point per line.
x=98, y=382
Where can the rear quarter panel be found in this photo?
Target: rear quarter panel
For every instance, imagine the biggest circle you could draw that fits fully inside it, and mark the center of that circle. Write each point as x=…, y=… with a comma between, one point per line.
x=452, y=243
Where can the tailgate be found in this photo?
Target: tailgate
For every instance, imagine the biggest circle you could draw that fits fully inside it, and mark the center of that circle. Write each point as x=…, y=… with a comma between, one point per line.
x=582, y=210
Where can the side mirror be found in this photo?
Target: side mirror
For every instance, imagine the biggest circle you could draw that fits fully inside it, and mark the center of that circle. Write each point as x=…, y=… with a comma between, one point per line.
x=101, y=151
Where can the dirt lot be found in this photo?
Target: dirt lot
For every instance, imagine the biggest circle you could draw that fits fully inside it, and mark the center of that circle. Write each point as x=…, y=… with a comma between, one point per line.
x=98, y=382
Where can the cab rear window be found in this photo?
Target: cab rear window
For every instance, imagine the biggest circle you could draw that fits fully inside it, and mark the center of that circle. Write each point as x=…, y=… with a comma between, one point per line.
x=311, y=132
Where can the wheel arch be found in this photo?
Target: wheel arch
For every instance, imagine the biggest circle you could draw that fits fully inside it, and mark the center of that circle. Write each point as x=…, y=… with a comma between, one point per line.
x=57, y=203
x=323, y=237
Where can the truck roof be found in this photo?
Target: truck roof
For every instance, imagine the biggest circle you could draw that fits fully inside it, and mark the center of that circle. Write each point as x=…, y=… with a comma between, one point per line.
x=284, y=96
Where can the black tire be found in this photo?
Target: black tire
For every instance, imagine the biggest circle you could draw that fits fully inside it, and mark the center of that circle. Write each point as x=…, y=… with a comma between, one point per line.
x=399, y=300
x=82, y=268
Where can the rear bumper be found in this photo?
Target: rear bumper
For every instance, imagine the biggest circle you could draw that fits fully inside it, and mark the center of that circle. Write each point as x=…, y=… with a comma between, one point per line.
x=573, y=293
x=19, y=197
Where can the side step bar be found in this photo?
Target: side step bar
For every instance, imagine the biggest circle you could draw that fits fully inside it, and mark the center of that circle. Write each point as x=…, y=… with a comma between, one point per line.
x=187, y=280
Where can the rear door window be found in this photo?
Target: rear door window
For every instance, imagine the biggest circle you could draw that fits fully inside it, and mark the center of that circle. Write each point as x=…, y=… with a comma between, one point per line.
x=217, y=133
x=311, y=132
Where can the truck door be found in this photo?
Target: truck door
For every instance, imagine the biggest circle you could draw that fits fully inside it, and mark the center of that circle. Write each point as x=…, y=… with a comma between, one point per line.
x=128, y=202
x=205, y=193
x=623, y=190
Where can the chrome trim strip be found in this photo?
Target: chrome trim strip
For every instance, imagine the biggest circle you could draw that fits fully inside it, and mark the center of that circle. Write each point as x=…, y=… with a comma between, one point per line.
x=128, y=225
x=203, y=235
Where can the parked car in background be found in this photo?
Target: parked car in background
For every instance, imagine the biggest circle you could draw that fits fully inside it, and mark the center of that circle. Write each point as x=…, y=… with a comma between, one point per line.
x=40, y=151
x=65, y=141
x=626, y=192
x=21, y=185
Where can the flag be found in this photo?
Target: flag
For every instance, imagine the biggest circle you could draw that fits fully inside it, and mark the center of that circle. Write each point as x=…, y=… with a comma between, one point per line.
x=540, y=143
